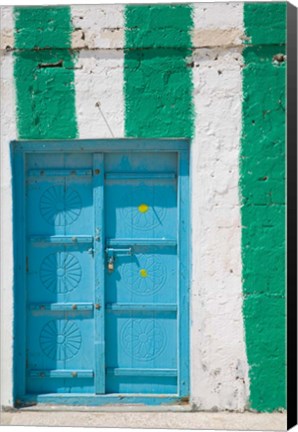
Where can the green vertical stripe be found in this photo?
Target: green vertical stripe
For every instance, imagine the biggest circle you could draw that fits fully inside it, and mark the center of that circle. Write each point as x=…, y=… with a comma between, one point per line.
x=263, y=203
x=158, y=82
x=44, y=73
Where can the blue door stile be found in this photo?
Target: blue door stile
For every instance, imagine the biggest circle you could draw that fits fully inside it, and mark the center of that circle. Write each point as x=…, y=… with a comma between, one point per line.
x=102, y=259
x=21, y=267
x=183, y=272
x=99, y=265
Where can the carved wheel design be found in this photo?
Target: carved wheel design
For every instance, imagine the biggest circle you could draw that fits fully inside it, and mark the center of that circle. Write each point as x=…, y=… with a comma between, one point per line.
x=60, y=340
x=145, y=276
x=60, y=206
x=60, y=272
x=145, y=212
x=143, y=339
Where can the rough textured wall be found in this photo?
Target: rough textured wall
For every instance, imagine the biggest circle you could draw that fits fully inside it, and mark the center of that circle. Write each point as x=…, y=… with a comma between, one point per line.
x=219, y=365
x=44, y=73
x=263, y=199
x=209, y=71
x=98, y=37
x=158, y=84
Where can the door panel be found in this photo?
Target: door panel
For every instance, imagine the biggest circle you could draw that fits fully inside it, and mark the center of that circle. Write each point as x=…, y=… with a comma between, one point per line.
x=59, y=204
x=142, y=162
x=144, y=277
x=141, y=384
x=57, y=273
x=141, y=208
x=53, y=385
x=141, y=351
x=60, y=342
x=143, y=339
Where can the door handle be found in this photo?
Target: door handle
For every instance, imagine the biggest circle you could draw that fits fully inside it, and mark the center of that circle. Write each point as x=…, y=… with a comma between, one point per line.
x=127, y=251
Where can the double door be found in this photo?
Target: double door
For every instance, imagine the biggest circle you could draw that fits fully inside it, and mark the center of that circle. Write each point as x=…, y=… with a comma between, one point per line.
x=104, y=290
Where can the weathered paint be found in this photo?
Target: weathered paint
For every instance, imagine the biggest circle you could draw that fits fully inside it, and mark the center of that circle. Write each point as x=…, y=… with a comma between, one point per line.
x=158, y=83
x=98, y=27
x=217, y=25
x=44, y=73
x=263, y=202
x=219, y=364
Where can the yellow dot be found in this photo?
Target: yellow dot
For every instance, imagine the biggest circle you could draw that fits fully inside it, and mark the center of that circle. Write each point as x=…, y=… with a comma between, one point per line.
x=143, y=208
x=143, y=273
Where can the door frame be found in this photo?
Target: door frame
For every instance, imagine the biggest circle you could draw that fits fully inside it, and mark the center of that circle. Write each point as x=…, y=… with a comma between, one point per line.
x=19, y=150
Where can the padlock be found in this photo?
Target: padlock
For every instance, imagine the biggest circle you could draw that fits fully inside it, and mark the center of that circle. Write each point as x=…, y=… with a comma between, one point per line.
x=111, y=264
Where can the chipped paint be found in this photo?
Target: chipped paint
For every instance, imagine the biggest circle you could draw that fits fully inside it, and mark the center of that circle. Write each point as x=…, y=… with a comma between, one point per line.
x=97, y=27
x=217, y=37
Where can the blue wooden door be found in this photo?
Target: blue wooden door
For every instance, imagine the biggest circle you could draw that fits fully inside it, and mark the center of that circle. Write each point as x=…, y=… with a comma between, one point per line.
x=141, y=273
x=105, y=252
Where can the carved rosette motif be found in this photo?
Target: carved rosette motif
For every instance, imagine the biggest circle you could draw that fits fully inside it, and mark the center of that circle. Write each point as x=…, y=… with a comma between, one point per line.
x=145, y=211
x=60, y=340
x=60, y=206
x=144, y=276
x=143, y=339
x=60, y=272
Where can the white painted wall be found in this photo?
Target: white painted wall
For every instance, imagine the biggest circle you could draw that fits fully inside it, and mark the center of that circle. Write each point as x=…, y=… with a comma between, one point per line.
x=8, y=132
x=99, y=94
x=219, y=370
x=99, y=70
x=98, y=26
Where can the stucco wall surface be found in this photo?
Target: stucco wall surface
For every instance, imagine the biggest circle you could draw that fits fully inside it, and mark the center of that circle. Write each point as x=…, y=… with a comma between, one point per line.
x=211, y=72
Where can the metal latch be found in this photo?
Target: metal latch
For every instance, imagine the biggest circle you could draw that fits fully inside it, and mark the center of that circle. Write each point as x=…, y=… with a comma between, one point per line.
x=111, y=252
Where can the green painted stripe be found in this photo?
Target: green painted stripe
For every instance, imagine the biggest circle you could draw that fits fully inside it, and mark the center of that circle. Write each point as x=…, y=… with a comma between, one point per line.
x=263, y=203
x=158, y=83
x=44, y=73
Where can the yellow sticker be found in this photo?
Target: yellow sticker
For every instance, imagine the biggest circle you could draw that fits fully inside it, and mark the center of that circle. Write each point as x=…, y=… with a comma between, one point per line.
x=143, y=273
x=143, y=208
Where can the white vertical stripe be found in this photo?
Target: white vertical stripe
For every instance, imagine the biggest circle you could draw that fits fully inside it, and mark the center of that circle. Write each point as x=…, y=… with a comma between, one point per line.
x=99, y=82
x=219, y=371
x=218, y=15
x=8, y=132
